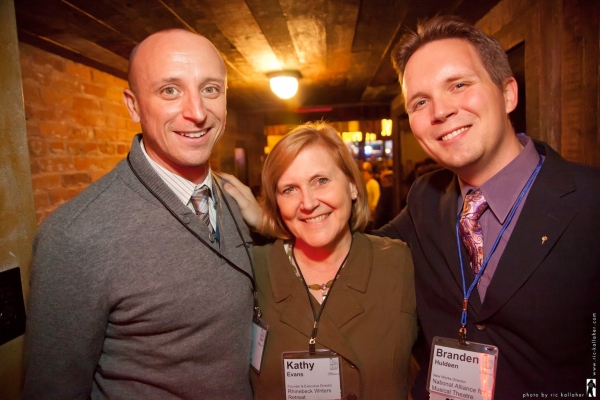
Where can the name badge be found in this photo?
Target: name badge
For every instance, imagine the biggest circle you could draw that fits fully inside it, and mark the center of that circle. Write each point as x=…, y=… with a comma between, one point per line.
x=461, y=372
x=259, y=336
x=312, y=377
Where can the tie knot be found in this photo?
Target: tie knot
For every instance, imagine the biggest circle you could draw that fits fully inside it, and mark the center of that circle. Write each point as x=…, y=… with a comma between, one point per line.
x=200, y=199
x=203, y=191
x=474, y=205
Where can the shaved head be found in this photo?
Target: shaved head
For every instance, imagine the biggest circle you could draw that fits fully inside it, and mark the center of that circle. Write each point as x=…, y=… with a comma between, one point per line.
x=157, y=41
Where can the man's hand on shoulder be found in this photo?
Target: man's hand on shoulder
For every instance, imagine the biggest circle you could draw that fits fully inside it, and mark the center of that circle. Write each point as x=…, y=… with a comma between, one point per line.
x=242, y=194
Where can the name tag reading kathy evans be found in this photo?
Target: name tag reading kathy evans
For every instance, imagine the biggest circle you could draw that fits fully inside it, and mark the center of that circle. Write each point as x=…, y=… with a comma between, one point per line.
x=315, y=377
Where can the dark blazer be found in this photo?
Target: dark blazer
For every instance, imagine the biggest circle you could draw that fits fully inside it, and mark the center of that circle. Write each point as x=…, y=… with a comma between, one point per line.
x=369, y=318
x=543, y=300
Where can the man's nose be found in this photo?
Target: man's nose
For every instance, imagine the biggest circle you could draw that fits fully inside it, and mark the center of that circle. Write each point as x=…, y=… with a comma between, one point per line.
x=442, y=108
x=193, y=108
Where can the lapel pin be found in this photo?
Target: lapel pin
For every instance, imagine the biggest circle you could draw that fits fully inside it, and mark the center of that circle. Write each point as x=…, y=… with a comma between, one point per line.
x=544, y=238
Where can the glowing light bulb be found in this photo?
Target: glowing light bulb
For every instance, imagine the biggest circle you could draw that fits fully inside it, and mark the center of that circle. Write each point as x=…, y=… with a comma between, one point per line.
x=284, y=86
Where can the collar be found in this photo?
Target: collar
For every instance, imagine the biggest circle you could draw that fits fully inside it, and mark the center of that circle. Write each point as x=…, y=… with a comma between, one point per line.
x=354, y=275
x=502, y=190
x=182, y=187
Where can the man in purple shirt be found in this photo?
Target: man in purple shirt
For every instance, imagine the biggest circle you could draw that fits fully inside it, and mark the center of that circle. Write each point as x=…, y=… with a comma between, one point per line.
x=537, y=297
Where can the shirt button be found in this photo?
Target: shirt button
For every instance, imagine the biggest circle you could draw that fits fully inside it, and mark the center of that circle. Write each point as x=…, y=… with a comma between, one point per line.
x=351, y=396
x=481, y=327
x=352, y=366
x=186, y=220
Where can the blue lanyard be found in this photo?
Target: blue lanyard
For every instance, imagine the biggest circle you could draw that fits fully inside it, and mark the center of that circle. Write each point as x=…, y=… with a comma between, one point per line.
x=462, y=333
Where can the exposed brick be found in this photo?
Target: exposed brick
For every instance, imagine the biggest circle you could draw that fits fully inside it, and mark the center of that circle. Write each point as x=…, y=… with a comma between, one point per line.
x=110, y=162
x=40, y=113
x=31, y=91
x=78, y=70
x=79, y=118
x=56, y=164
x=41, y=200
x=61, y=195
x=81, y=134
x=77, y=125
x=125, y=136
x=95, y=175
x=94, y=118
x=34, y=166
x=45, y=182
x=24, y=56
x=41, y=215
x=58, y=147
x=66, y=83
x=28, y=111
x=114, y=108
x=54, y=129
x=102, y=77
x=76, y=179
x=116, y=122
x=87, y=163
x=123, y=149
x=94, y=90
x=115, y=94
x=133, y=127
x=37, y=147
x=107, y=148
x=73, y=148
x=89, y=148
x=105, y=134
x=56, y=98
x=36, y=76
x=84, y=103
x=46, y=59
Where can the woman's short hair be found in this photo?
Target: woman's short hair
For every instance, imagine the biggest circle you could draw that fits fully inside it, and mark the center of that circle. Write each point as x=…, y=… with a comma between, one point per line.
x=285, y=152
x=490, y=52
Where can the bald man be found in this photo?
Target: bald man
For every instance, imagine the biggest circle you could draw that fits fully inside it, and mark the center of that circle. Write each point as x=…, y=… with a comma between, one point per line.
x=141, y=286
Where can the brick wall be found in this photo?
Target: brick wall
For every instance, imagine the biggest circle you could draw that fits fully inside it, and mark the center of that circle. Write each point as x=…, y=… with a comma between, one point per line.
x=78, y=128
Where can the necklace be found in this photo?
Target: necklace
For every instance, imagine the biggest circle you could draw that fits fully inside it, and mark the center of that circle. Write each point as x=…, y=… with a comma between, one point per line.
x=289, y=250
x=324, y=287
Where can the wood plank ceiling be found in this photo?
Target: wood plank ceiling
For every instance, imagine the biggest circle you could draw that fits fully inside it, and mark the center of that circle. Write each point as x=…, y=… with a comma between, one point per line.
x=341, y=47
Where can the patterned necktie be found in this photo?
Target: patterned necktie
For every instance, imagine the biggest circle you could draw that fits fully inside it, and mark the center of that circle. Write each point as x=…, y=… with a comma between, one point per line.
x=470, y=228
x=200, y=201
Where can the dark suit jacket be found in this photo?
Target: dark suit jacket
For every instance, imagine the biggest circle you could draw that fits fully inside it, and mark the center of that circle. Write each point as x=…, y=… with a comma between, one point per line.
x=541, y=306
x=369, y=318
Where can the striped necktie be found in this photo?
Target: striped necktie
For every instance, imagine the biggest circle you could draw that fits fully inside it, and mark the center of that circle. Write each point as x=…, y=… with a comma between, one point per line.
x=200, y=201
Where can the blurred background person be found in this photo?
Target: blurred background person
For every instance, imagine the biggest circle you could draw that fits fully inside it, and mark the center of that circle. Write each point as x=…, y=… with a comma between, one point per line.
x=373, y=189
x=384, y=212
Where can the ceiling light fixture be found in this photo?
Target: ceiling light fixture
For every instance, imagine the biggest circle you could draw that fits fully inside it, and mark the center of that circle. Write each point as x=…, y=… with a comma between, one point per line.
x=284, y=83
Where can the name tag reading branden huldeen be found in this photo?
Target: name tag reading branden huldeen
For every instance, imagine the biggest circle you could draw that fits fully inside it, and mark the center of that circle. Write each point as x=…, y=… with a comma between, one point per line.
x=462, y=371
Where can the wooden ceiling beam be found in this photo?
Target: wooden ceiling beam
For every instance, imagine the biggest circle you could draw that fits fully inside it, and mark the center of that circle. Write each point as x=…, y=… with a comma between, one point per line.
x=270, y=18
x=236, y=22
x=65, y=22
x=306, y=23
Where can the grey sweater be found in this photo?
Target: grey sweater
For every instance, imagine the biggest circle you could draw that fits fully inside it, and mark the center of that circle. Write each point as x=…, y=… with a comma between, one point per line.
x=126, y=303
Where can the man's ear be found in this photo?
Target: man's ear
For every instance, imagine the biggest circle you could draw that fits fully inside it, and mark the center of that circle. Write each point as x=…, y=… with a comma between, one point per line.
x=511, y=94
x=132, y=105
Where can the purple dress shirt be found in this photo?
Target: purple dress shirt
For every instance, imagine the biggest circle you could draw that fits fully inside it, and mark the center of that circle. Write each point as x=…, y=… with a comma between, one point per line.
x=501, y=192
